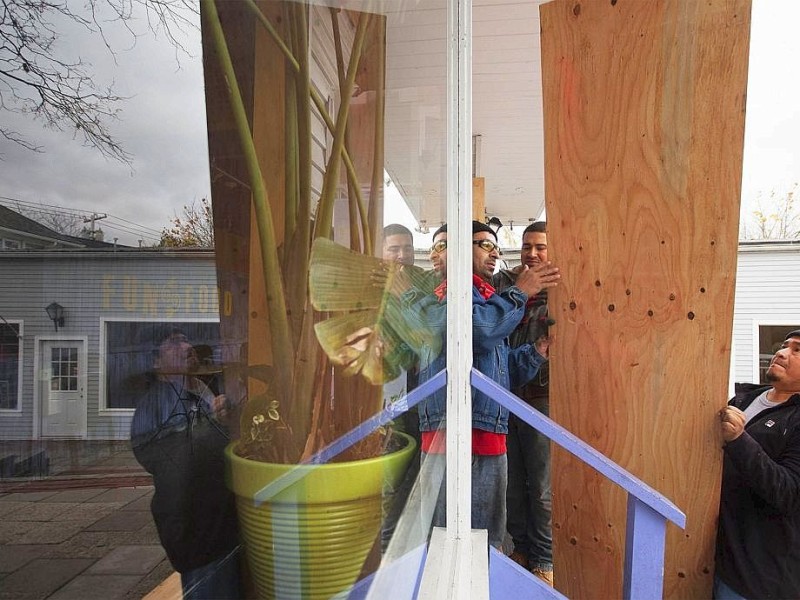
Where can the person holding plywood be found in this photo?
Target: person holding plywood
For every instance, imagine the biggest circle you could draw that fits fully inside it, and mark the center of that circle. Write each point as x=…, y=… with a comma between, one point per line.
x=758, y=539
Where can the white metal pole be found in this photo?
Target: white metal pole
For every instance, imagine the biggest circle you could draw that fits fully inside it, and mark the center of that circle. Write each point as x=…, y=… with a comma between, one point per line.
x=459, y=292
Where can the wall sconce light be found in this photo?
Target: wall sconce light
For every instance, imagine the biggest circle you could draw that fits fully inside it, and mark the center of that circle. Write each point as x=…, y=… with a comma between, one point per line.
x=56, y=313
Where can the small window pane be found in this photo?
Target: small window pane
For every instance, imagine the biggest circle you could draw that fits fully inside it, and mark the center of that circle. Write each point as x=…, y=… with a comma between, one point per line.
x=10, y=349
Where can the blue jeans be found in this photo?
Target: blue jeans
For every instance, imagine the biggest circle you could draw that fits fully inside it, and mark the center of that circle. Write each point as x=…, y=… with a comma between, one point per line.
x=723, y=592
x=529, y=494
x=218, y=580
x=489, y=481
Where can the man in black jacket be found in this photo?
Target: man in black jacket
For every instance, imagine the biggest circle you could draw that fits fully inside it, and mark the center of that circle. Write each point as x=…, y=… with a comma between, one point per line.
x=528, y=496
x=758, y=539
x=177, y=434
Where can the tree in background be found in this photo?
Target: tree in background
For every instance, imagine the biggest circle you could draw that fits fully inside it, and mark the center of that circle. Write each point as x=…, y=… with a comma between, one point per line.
x=194, y=229
x=39, y=77
x=775, y=218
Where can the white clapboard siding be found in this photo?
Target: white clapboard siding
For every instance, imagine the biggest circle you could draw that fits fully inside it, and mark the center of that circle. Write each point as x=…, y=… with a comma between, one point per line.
x=93, y=286
x=767, y=293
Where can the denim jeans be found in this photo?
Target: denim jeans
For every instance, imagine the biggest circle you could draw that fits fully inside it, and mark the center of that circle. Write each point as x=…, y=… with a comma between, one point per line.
x=529, y=495
x=723, y=592
x=218, y=580
x=489, y=481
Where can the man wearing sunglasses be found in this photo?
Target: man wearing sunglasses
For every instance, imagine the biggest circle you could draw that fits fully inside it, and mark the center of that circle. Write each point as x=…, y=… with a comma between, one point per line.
x=494, y=318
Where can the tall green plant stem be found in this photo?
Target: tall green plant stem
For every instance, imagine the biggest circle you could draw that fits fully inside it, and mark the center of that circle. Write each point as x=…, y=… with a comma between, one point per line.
x=290, y=152
x=303, y=81
x=352, y=210
x=282, y=351
x=324, y=221
x=376, y=183
x=323, y=111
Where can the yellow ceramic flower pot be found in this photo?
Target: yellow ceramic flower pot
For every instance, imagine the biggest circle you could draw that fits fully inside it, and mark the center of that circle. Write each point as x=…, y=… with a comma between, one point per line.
x=307, y=529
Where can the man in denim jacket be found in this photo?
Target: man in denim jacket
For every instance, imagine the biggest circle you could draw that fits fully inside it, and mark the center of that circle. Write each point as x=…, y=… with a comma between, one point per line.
x=494, y=317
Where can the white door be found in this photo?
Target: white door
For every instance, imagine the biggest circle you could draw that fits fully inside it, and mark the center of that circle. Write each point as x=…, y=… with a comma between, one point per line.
x=63, y=388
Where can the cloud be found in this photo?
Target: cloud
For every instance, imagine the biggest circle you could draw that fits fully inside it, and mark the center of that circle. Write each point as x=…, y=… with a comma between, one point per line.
x=161, y=124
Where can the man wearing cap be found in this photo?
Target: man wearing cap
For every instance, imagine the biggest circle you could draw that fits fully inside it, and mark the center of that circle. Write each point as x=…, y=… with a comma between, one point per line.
x=494, y=317
x=758, y=538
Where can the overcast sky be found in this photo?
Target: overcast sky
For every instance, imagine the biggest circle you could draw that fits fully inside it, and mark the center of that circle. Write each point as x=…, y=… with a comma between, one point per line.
x=163, y=127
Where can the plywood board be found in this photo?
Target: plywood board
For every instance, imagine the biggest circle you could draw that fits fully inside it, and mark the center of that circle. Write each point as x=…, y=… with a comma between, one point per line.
x=644, y=124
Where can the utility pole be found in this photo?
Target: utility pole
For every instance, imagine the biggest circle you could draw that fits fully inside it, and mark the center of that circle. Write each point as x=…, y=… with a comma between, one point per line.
x=92, y=219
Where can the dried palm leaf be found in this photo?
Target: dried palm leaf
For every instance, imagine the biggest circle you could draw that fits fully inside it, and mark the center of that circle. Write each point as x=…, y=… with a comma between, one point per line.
x=340, y=279
x=376, y=341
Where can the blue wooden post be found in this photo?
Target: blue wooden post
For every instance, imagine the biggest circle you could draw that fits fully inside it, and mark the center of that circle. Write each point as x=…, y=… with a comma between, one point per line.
x=644, y=552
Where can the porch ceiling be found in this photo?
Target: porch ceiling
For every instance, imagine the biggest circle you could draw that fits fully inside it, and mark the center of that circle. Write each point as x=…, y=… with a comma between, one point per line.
x=507, y=107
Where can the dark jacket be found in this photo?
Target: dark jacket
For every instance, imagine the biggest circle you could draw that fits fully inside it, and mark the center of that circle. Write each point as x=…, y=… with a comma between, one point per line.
x=758, y=539
x=534, y=325
x=194, y=512
x=493, y=320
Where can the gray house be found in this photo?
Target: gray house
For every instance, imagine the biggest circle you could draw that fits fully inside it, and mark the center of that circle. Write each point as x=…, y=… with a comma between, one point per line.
x=79, y=325
x=80, y=374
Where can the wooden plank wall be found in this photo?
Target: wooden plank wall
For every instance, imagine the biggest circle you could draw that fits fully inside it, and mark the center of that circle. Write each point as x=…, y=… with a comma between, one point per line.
x=644, y=124
x=230, y=191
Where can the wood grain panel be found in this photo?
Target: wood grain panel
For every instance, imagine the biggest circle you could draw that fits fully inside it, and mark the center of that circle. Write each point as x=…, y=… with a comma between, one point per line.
x=269, y=129
x=644, y=124
x=230, y=192
x=479, y=199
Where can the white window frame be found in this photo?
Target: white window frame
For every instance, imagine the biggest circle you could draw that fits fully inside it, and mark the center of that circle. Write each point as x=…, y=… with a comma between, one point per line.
x=16, y=412
x=457, y=568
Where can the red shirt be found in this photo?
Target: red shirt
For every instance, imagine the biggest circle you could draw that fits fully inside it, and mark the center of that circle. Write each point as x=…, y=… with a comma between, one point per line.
x=484, y=443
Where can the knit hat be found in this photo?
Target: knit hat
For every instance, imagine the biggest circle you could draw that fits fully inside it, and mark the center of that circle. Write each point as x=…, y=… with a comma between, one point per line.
x=792, y=334
x=479, y=226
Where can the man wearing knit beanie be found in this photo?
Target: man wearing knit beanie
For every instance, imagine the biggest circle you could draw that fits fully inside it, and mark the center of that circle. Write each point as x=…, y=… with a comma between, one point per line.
x=494, y=317
x=758, y=554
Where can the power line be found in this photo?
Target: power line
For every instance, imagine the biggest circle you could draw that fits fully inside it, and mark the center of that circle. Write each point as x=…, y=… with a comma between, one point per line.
x=132, y=229
x=43, y=207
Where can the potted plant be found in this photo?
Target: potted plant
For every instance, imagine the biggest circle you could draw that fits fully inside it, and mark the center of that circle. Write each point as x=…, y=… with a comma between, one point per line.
x=296, y=400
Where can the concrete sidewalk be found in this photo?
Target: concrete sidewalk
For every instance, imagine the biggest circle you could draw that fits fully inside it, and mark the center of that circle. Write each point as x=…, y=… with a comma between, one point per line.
x=82, y=536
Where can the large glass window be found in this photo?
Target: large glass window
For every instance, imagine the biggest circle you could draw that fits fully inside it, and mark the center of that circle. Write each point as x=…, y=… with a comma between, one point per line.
x=132, y=348
x=10, y=349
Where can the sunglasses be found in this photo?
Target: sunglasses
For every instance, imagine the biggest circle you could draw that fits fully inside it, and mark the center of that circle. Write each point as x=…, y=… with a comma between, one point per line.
x=439, y=247
x=487, y=245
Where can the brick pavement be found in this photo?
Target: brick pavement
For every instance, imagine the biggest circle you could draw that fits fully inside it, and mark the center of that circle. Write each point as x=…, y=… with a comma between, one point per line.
x=86, y=535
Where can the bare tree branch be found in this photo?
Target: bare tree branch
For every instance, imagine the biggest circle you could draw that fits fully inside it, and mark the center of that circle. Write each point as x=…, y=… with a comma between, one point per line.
x=59, y=91
x=776, y=217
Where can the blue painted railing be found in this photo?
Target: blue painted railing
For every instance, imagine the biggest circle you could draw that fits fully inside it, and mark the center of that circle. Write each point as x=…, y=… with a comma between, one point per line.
x=648, y=511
